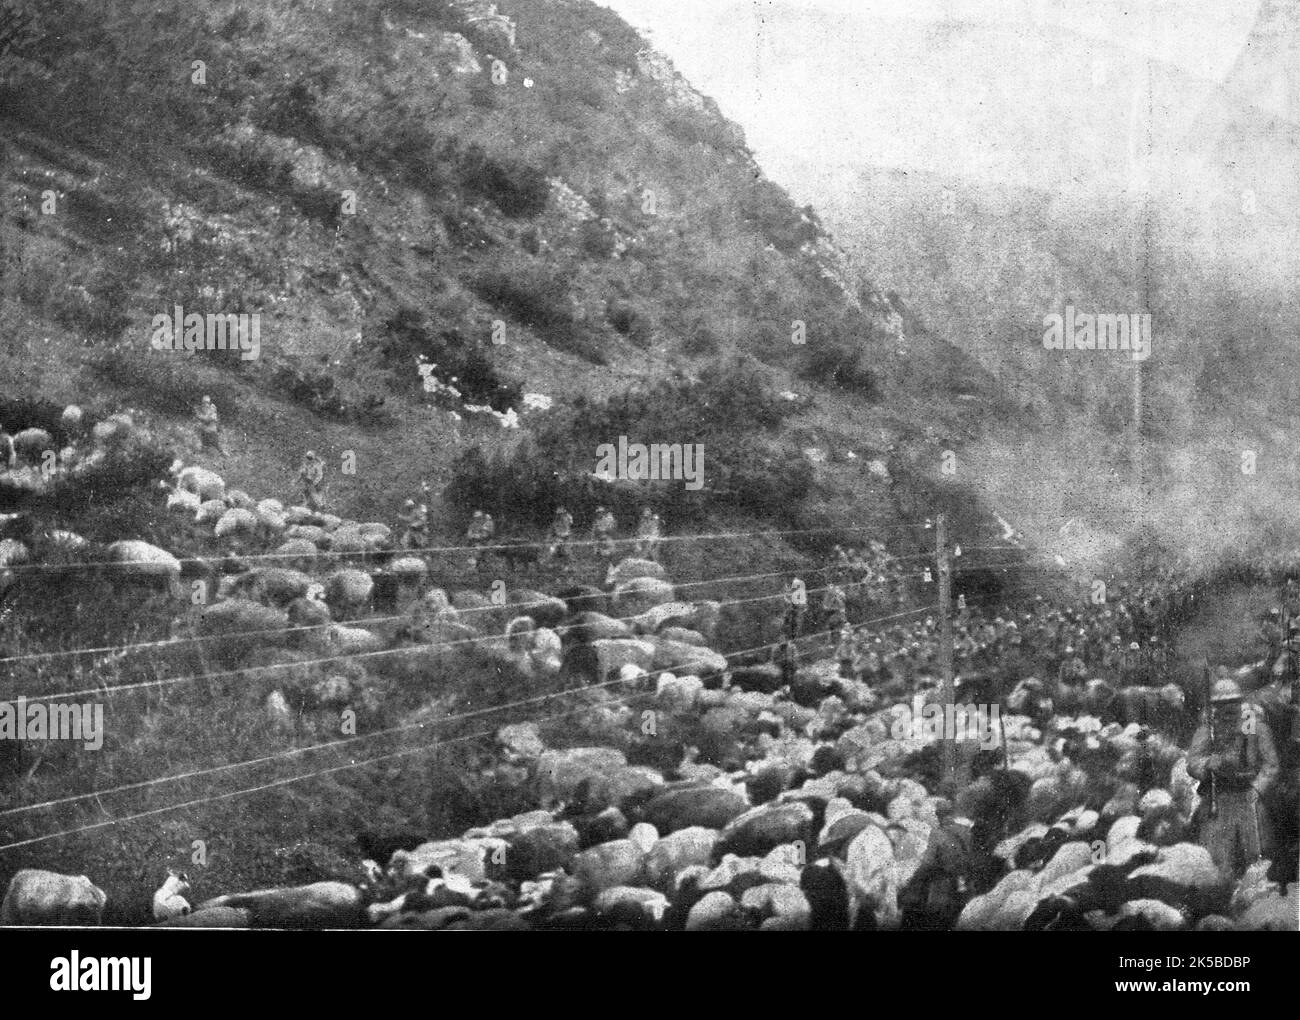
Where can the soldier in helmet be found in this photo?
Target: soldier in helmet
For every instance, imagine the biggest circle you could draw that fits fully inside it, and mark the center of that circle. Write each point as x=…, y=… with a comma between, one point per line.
x=846, y=651
x=602, y=531
x=1233, y=756
x=209, y=426
x=416, y=520
x=311, y=475
x=796, y=604
x=834, y=609
x=561, y=533
x=647, y=534
x=479, y=533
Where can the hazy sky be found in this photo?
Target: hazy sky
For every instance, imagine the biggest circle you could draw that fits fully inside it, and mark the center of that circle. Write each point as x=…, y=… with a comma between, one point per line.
x=1005, y=100
x=1201, y=36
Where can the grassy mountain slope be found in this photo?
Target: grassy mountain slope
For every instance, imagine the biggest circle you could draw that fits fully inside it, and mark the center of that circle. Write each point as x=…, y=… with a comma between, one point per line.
x=381, y=182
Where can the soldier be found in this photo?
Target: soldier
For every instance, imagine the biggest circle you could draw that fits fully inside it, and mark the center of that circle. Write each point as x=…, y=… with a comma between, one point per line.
x=846, y=652
x=1270, y=632
x=416, y=520
x=786, y=656
x=602, y=531
x=1233, y=755
x=209, y=426
x=796, y=598
x=561, y=532
x=478, y=534
x=834, y=610
x=1073, y=670
x=1284, y=658
x=647, y=533
x=932, y=899
x=310, y=476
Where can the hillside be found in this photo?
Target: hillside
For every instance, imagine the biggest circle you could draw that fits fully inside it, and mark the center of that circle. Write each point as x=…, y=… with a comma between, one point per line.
x=591, y=203
x=385, y=183
x=482, y=242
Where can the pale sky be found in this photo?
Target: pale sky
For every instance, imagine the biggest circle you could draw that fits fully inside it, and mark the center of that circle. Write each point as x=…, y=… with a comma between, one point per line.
x=1006, y=100
x=1202, y=37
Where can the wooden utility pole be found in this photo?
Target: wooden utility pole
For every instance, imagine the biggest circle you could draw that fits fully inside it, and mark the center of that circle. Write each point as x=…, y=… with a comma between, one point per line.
x=948, y=777
x=1137, y=439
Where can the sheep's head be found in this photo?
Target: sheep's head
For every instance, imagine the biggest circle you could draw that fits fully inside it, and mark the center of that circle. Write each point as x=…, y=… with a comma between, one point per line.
x=177, y=466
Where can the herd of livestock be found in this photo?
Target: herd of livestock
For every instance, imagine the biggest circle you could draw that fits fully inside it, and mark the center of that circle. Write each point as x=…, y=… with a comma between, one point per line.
x=691, y=789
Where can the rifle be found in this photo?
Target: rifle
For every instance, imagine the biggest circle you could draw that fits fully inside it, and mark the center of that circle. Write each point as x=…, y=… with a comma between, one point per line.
x=1294, y=675
x=1211, y=799
x=1289, y=671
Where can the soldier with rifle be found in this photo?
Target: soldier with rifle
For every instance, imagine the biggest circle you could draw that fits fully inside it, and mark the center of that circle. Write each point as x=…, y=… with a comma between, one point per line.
x=1233, y=756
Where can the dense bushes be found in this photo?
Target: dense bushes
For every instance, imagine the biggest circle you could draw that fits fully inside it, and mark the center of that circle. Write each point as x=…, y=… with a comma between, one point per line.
x=518, y=189
x=633, y=323
x=841, y=364
x=726, y=410
x=836, y=355
x=702, y=129
x=95, y=306
x=408, y=338
x=537, y=295
x=768, y=209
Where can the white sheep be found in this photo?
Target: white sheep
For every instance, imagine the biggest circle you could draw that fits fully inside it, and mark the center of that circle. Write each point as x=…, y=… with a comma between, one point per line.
x=169, y=901
x=112, y=430
x=352, y=640
x=278, y=712
x=207, y=484
x=239, y=498
x=519, y=634
x=46, y=897
x=181, y=499
x=71, y=419
x=12, y=551
x=271, y=525
x=131, y=559
x=31, y=444
x=348, y=590
x=236, y=522
x=209, y=511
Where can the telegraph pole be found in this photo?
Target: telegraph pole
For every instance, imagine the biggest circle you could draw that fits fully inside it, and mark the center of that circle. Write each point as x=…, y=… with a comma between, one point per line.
x=947, y=779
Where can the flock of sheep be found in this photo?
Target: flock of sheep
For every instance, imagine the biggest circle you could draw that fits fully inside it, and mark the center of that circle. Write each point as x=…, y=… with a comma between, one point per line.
x=815, y=815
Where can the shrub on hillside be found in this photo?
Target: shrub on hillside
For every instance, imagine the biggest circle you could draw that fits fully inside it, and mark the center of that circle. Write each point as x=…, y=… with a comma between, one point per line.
x=696, y=128
x=165, y=382
x=128, y=475
x=766, y=207
x=518, y=189
x=840, y=363
x=595, y=241
x=722, y=410
x=534, y=294
x=632, y=322
x=250, y=162
x=701, y=341
x=538, y=296
x=292, y=111
x=408, y=338
x=313, y=389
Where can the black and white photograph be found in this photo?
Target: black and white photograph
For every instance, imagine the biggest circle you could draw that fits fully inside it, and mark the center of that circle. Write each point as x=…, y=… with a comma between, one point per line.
x=650, y=465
